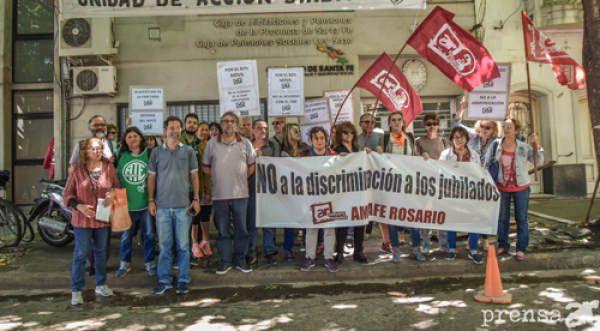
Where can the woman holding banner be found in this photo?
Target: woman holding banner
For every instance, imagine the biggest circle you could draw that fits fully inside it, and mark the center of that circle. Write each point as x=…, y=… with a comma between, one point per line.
x=318, y=138
x=400, y=142
x=512, y=155
x=432, y=146
x=132, y=168
x=460, y=152
x=347, y=136
x=291, y=146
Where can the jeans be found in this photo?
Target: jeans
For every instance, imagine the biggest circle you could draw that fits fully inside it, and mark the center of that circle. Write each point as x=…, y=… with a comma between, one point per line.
x=521, y=208
x=83, y=238
x=251, y=227
x=473, y=241
x=312, y=236
x=269, y=241
x=175, y=221
x=239, y=208
x=148, y=234
x=414, y=236
x=288, y=239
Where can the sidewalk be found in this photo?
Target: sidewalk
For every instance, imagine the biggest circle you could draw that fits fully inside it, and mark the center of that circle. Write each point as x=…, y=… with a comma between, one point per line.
x=37, y=265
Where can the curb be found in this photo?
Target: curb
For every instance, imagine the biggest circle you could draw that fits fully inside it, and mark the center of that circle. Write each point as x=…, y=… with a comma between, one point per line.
x=288, y=273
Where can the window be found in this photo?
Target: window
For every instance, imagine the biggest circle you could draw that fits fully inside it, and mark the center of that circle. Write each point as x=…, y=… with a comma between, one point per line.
x=35, y=17
x=32, y=129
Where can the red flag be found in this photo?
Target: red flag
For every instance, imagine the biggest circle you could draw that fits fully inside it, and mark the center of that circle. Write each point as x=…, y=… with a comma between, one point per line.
x=459, y=55
x=539, y=48
x=396, y=94
x=49, y=159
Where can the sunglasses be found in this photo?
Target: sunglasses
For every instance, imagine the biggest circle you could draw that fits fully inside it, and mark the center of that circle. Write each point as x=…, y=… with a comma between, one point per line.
x=277, y=122
x=347, y=132
x=508, y=127
x=485, y=127
x=396, y=120
x=112, y=133
x=431, y=124
x=295, y=131
x=367, y=122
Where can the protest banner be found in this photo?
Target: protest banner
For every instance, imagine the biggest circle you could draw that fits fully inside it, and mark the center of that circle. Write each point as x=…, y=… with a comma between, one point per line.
x=238, y=87
x=336, y=191
x=286, y=91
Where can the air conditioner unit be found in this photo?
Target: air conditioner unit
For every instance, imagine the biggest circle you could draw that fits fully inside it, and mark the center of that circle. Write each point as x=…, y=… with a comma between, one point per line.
x=95, y=80
x=86, y=37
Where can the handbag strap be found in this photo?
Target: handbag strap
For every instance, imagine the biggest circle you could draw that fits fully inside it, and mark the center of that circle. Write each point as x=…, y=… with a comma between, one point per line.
x=92, y=184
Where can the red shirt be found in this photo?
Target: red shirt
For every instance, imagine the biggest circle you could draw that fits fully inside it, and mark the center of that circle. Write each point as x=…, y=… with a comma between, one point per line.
x=79, y=188
x=509, y=173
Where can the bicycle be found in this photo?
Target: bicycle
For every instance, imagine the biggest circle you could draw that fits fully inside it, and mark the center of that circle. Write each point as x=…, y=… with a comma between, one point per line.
x=12, y=220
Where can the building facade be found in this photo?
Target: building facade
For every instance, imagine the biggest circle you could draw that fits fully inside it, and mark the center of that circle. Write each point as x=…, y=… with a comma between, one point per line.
x=181, y=54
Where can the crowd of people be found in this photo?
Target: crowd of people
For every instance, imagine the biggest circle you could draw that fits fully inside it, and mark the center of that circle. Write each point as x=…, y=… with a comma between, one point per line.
x=205, y=171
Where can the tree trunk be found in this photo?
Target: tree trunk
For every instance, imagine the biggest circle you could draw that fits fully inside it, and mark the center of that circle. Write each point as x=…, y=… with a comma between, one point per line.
x=591, y=64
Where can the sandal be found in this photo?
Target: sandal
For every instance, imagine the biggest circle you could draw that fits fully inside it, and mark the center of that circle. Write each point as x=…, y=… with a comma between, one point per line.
x=501, y=251
x=520, y=256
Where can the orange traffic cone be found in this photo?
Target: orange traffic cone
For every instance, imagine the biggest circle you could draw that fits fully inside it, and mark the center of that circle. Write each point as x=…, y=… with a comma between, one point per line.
x=493, y=292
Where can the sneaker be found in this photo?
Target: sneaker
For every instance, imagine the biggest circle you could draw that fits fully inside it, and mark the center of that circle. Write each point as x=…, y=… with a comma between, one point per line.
x=319, y=249
x=196, y=251
x=104, y=291
x=76, y=298
x=122, y=271
x=151, y=269
x=270, y=259
x=418, y=256
x=289, y=255
x=426, y=248
x=223, y=268
x=205, y=245
x=350, y=242
x=251, y=260
x=161, y=288
x=444, y=249
x=244, y=268
x=194, y=261
x=182, y=288
x=308, y=263
x=451, y=256
x=386, y=248
x=330, y=265
x=476, y=258
x=396, y=255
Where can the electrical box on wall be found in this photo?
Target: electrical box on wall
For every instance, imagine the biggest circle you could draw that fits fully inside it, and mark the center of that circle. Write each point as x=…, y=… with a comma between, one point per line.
x=86, y=37
x=95, y=80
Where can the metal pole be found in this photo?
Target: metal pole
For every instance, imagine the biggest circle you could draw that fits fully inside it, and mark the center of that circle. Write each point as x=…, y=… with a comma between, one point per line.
x=535, y=147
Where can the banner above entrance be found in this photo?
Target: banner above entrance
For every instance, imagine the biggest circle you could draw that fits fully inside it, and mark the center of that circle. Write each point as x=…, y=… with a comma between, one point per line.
x=127, y=8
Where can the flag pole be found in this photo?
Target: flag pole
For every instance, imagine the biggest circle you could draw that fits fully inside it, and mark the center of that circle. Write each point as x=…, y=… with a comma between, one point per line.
x=381, y=89
x=535, y=170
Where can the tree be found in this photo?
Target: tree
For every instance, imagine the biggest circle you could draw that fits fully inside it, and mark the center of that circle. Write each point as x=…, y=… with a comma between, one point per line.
x=591, y=64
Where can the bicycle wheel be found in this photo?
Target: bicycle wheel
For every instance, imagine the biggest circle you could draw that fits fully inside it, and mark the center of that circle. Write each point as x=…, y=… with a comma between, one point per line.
x=22, y=220
x=10, y=224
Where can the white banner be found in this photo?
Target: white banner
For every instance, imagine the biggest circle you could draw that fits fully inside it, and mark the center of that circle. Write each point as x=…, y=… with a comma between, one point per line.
x=129, y=8
x=335, y=191
x=335, y=101
x=286, y=92
x=238, y=87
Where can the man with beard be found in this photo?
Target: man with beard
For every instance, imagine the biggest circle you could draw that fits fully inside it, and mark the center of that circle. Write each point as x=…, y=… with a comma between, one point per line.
x=191, y=139
x=169, y=170
x=263, y=147
x=97, y=127
x=229, y=159
x=246, y=128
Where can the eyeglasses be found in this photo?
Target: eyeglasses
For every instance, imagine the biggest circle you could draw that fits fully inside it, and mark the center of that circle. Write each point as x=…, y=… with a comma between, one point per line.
x=277, y=122
x=262, y=128
x=458, y=137
x=174, y=128
x=347, y=132
x=112, y=132
x=396, y=120
x=95, y=149
x=295, y=131
x=98, y=126
x=485, y=127
x=431, y=124
x=508, y=127
x=228, y=121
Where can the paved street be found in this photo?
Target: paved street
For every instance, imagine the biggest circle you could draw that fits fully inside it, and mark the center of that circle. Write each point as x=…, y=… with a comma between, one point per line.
x=391, y=304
